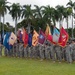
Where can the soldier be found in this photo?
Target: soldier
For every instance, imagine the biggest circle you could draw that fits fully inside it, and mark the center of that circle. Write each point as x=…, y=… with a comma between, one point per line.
x=26, y=52
x=52, y=51
x=34, y=52
x=47, y=51
x=17, y=50
x=9, y=53
x=37, y=52
x=63, y=53
x=73, y=49
x=14, y=49
x=42, y=51
x=21, y=49
x=58, y=53
x=31, y=52
x=68, y=53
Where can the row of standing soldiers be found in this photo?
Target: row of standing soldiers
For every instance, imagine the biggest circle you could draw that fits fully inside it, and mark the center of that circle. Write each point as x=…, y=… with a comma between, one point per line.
x=45, y=51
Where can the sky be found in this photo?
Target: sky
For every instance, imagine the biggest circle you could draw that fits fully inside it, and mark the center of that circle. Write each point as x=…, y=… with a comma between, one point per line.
x=52, y=3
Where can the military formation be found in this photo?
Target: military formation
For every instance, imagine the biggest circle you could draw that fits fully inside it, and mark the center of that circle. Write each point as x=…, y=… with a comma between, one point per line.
x=47, y=51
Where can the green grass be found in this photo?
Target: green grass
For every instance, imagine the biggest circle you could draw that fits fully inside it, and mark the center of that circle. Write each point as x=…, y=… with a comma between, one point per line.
x=19, y=66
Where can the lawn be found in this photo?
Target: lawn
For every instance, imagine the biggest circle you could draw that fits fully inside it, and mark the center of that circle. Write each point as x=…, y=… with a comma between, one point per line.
x=22, y=66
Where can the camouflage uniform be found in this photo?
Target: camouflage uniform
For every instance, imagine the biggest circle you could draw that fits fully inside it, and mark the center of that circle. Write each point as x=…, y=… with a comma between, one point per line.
x=14, y=49
x=47, y=52
x=68, y=54
x=52, y=51
x=25, y=52
x=63, y=53
x=58, y=53
x=73, y=51
x=21, y=49
x=42, y=51
x=36, y=51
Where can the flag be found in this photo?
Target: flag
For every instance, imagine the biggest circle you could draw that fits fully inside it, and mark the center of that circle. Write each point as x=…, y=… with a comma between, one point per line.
x=63, y=37
x=41, y=37
x=47, y=31
x=48, y=34
x=12, y=38
x=30, y=39
x=6, y=41
x=35, y=38
x=56, y=34
x=50, y=38
x=25, y=38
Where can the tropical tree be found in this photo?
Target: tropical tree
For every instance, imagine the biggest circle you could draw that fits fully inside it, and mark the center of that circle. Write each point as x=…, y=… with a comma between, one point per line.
x=3, y=10
x=71, y=4
x=38, y=13
x=55, y=16
x=60, y=10
x=15, y=12
x=38, y=16
x=47, y=13
x=67, y=14
x=27, y=14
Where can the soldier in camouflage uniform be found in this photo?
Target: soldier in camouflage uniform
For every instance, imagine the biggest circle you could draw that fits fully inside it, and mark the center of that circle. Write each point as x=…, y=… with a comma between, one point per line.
x=42, y=51
x=47, y=51
x=26, y=52
x=68, y=53
x=63, y=53
x=21, y=49
x=36, y=51
x=31, y=52
x=58, y=53
x=73, y=50
x=14, y=50
x=52, y=51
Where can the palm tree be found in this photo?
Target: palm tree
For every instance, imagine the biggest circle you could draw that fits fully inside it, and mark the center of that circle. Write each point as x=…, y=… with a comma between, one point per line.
x=15, y=12
x=71, y=4
x=38, y=16
x=38, y=13
x=47, y=13
x=3, y=11
x=60, y=10
x=55, y=16
x=67, y=14
x=27, y=14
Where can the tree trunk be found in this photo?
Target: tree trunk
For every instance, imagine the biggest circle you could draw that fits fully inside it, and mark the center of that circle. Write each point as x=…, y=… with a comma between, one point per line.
x=72, y=26
x=29, y=28
x=16, y=26
x=1, y=34
x=0, y=18
x=67, y=24
x=1, y=28
x=0, y=22
x=60, y=24
x=16, y=33
x=3, y=24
